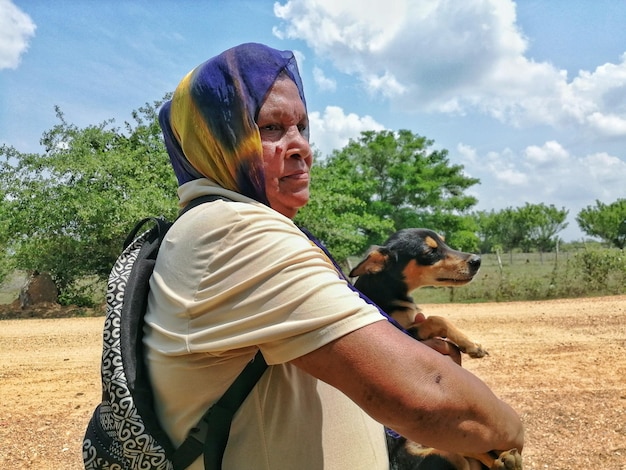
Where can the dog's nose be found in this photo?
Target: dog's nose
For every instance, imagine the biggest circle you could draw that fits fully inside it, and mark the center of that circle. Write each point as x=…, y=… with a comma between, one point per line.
x=474, y=263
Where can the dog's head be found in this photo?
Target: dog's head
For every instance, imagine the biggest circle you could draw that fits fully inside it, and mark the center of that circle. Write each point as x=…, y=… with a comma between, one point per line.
x=420, y=258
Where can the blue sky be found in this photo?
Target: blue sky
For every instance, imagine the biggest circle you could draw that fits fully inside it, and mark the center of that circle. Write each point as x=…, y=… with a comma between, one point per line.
x=529, y=96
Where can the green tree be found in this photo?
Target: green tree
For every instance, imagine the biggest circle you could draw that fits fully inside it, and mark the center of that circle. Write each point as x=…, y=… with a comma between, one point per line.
x=543, y=224
x=397, y=181
x=505, y=229
x=337, y=217
x=487, y=231
x=533, y=226
x=500, y=231
x=66, y=211
x=605, y=221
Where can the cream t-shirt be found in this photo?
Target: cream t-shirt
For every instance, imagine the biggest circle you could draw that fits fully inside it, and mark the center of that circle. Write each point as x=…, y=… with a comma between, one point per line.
x=235, y=277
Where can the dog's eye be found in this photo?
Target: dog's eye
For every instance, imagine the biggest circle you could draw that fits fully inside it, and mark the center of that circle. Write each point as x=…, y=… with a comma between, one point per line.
x=431, y=252
x=431, y=248
x=431, y=243
x=428, y=252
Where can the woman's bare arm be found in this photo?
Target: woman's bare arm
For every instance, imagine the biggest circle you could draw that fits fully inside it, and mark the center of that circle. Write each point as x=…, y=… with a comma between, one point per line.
x=416, y=391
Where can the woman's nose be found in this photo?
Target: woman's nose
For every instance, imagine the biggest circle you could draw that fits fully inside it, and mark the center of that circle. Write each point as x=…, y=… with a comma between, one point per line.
x=296, y=140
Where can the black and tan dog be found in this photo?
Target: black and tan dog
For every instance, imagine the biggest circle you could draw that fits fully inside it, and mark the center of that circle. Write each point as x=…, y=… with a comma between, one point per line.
x=409, y=259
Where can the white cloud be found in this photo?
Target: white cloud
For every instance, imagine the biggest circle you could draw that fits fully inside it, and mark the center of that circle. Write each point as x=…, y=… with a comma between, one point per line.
x=550, y=153
x=468, y=154
x=323, y=82
x=547, y=174
x=608, y=172
x=456, y=57
x=16, y=29
x=504, y=169
x=427, y=45
x=608, y=124
x=334, y=129
x=385, y=84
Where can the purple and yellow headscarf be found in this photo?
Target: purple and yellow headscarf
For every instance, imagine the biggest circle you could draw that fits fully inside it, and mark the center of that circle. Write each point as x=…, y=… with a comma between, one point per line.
x=209, y=125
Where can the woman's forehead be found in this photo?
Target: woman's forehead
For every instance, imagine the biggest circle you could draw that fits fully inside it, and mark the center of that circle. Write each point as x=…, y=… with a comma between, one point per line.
x=283, y=96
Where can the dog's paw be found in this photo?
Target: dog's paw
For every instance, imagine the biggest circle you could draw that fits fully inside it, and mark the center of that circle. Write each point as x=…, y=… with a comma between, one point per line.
x=508, y=460
x=475, y=350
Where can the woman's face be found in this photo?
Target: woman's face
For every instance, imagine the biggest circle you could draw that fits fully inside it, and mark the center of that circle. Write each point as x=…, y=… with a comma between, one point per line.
x=287, y=156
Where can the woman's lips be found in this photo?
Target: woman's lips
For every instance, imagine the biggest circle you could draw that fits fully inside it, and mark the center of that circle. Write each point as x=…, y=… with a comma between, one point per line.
x=297, y=176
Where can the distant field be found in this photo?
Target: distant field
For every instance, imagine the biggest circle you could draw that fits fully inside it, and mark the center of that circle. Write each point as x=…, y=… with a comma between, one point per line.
x=521, y=276
x=535, y=276
x=518, y=269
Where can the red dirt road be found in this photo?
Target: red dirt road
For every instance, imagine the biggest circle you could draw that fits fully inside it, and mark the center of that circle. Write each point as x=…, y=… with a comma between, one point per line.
x=561, y=364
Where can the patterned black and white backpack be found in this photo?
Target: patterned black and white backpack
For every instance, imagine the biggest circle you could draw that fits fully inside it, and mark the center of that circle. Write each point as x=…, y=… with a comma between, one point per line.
x=123, y=432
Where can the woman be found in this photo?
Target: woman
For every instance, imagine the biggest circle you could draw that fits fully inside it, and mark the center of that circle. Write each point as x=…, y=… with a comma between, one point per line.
x=236, y=276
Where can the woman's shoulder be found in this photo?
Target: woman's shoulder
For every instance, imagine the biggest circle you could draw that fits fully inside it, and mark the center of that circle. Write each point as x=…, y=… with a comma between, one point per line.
x=235, y=222
x=225, y=210
x=231, y=214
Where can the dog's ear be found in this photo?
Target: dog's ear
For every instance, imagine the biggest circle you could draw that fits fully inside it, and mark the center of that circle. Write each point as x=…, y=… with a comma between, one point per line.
x=373, y=263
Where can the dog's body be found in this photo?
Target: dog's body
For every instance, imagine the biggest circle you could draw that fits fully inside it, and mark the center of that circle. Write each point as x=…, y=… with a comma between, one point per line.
x=413, y=258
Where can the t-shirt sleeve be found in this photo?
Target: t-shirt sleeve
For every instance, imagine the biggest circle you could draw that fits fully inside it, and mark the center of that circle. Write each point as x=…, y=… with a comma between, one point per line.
x=252, y=279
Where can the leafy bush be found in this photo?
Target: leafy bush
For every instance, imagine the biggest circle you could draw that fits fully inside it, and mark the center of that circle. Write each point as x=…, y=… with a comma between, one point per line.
x=602, y=270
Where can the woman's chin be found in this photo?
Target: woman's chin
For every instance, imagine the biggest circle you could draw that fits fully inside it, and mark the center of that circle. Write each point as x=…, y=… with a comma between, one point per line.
x=288, y=205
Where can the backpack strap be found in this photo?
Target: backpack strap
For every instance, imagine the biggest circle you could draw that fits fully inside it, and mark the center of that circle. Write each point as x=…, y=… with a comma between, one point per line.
x=210, y=435
x=200, y=200
x=163, y=225
x=160, y=223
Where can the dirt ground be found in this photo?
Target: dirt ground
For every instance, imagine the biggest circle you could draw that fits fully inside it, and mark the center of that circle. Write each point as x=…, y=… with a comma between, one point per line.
x=561, y=364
